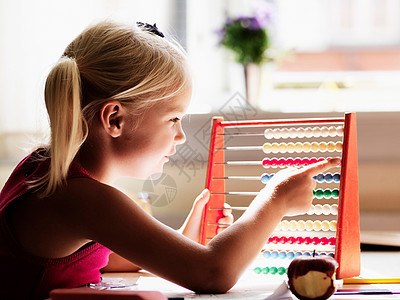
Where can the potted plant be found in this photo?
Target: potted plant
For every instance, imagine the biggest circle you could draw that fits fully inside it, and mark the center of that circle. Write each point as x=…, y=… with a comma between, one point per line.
x=248, y=38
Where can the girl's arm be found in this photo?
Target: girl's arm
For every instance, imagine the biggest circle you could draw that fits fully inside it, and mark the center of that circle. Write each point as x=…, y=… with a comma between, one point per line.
x=132, y=233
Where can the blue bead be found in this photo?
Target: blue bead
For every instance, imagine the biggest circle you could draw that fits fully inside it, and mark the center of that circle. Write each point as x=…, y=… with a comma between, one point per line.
x=319, y=177
x=328, y=177
x=265, y=178
x=332, y=255
x=290, y=255
x=299, y=253
x=336, y=177
x=307, y=253
x=274, y=254
x=282, y=255
x=267, y=254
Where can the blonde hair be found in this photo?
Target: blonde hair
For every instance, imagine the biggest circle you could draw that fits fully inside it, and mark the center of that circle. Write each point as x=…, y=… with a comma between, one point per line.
x=106, y=61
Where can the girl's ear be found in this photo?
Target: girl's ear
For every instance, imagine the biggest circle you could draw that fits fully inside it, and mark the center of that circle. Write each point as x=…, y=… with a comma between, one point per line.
x=112, y=116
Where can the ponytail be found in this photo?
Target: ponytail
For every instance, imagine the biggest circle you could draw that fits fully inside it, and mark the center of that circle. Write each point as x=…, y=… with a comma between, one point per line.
x=68, y=127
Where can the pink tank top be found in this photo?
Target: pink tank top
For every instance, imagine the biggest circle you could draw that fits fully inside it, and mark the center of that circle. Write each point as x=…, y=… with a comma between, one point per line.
x=23, y=276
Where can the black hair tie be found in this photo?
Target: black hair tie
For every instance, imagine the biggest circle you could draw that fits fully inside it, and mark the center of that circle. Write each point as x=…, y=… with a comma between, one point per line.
x=150, y=28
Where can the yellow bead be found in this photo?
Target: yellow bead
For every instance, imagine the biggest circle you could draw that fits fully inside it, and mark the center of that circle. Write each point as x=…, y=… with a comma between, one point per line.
x=284, y=225
x=339, y=146
x=267, y=148
x=275, y=148
x=298, y=147
x=301, y=225
x=323, y=146
x=325, y=225
x=290, y=147
x=292, y=225
x=306, y=147
x=331, y=146
x=333, y=225
x=317, y=225
x=314, y=147
x=309, y=225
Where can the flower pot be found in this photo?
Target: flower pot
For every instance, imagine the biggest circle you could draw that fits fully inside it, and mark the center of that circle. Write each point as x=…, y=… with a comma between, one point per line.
x=252, y=75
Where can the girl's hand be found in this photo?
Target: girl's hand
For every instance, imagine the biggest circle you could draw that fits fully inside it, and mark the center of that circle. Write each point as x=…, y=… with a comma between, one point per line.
x=294, y=186
x=192, y=226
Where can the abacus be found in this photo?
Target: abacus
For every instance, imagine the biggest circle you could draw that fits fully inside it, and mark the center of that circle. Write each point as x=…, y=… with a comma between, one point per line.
x=244, y=155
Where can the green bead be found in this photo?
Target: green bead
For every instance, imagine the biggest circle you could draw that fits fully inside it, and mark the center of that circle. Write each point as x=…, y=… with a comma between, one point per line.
x=335, y=193
x=265, y=270
x=319, y=193
x=273, y=270
x=281, y=270
x=257, y=270
x=327, y=193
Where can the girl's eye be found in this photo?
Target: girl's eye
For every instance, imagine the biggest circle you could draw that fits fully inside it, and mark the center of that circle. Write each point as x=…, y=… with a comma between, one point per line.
x=175, y=120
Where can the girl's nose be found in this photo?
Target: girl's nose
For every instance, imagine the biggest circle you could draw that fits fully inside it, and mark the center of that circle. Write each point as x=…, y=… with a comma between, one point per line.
x=180, y=136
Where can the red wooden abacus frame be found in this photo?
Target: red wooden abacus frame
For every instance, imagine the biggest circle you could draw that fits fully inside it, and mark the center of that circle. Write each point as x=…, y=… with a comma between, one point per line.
x=347, y=248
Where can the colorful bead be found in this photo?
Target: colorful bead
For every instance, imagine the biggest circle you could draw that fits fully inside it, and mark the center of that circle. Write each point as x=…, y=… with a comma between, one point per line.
x=317, y=225
x=265, y=270
x=336, y=177
x=273, y=270
x=258, y=270
x=266, y=177
x=281, y=270
x=325, y=225
x=324, y=131
x=266, y=254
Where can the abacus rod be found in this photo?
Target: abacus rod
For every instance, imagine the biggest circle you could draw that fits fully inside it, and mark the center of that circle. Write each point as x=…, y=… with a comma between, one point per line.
x=246, y=163
x=237, y=193
x=241, y=148
x=242, y=134
x=263, y=123
x=239, y=177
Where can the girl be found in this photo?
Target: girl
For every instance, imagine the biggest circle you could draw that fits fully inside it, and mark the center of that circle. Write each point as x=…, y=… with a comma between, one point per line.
x=115, y=100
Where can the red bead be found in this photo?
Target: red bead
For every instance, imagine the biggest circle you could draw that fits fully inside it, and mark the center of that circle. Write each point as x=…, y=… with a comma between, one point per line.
x=324, y=240
x=283, y=240
x=315, y=240
x=307, y=240
x=299, y=240
x=291, y=240
x=290, y=161
x=282, y=162
x=298, y=162
x=313, y=160
x=332, y=241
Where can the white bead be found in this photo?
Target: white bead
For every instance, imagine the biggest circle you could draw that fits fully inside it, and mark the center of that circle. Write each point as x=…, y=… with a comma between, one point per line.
x=316, y=131
x=318, y=209
x=268, y=133
x=284, y=133
x=339, y=130
x=334, y=209
x=276, y=133
x=292, y=133
x=326, y=209
x=324, y=131
x=308, y=132
x=300, y=132
x=332, y=131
